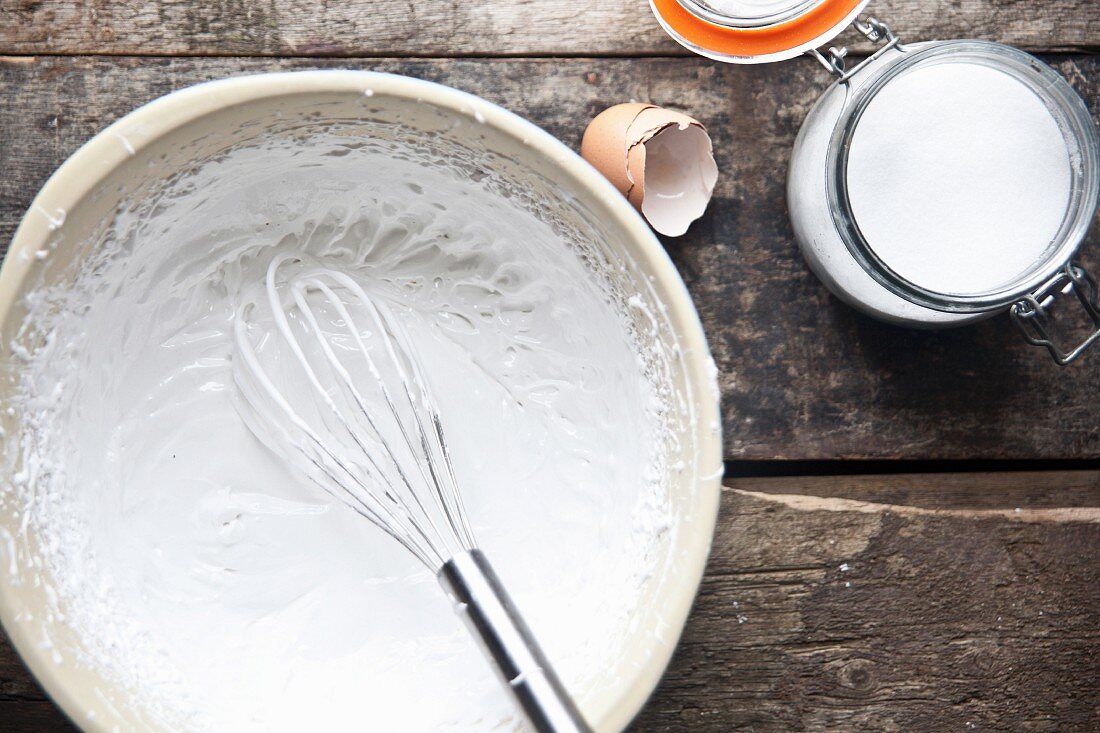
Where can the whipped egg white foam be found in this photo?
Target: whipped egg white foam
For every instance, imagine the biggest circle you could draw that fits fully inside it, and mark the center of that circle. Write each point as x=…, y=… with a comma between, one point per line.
x=222, y=593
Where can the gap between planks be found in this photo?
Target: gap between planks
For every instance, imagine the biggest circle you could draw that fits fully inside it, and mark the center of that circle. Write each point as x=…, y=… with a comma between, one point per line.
x=10, y=55
x=441, y=56
x=1025, y=496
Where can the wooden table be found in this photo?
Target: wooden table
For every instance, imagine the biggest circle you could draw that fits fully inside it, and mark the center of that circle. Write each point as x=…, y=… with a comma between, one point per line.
x=910, y=530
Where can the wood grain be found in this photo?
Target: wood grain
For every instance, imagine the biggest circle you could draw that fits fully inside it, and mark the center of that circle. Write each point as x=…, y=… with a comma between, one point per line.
x=459, y=28
x=893, y=603
x=33, y=716
x=945, y=492
x=835, y=620
x=802, y=375
x=827, y=619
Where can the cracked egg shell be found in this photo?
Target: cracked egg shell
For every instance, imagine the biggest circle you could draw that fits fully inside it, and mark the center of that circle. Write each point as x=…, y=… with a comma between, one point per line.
x=661, y=160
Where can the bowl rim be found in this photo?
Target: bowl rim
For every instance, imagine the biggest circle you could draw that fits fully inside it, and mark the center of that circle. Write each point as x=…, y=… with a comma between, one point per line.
x=110, y=148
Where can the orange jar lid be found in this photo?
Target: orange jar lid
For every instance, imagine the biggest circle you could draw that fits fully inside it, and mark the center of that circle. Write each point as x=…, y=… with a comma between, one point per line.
x=814, y=24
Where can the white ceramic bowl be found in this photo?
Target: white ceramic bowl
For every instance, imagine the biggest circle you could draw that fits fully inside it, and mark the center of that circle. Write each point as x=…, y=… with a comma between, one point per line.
x=146, y=146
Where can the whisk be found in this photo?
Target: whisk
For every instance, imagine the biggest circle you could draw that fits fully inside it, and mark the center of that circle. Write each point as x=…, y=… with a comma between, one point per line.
x=365, y=428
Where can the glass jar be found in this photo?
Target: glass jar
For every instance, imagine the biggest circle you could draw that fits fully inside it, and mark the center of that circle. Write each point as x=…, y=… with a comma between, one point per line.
x=857, y=261
x=932, y=184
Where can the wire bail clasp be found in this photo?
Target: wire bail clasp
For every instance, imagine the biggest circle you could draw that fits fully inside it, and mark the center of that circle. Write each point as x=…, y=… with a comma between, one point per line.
x=1033, y=316
x=874, y=30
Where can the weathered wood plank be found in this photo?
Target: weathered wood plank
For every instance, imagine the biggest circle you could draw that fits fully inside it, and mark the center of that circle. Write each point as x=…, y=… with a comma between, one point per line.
x=37, y=716
x=836, y=620
x=958, y=492
x=454, y=27
x=802, y=375
x=15, y=683
x=827, y=619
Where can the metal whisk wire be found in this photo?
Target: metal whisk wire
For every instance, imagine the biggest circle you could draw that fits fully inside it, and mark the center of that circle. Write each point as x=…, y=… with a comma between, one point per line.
x=397, y=475
x=392, y=494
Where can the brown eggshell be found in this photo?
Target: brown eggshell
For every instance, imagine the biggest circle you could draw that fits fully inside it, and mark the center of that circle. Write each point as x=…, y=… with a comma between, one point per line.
x=606, y=143
x=652, y=120
x=635, y=165
x=615, y=144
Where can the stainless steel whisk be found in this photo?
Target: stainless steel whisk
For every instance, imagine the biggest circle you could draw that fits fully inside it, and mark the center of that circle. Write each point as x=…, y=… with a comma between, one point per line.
x=368, y=432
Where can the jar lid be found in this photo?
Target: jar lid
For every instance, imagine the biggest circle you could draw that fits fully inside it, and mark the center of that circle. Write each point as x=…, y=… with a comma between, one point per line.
x=965, y=174
x=754, y=31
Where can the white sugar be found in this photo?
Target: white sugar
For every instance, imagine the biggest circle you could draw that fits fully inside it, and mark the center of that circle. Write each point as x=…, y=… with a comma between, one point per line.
x=959, y=177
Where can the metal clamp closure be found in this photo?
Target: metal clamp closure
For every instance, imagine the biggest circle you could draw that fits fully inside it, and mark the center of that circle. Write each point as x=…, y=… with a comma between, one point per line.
x=836, y=61
x=1033, y=316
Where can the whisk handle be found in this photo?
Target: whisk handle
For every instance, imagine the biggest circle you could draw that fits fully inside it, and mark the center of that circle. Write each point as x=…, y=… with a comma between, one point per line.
x=480, y=598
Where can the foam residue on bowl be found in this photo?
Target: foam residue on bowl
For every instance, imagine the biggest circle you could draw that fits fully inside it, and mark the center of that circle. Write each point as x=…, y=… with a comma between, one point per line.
x=221, y=594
